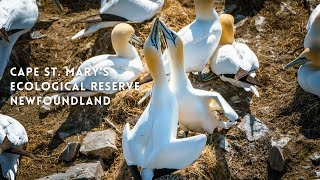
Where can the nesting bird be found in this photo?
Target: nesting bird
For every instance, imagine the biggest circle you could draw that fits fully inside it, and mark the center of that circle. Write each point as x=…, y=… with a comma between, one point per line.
x=152, y=143
x=196, y=107
x=309, y=59
x=16, y=18
x=201, y=38
x=235, y=62
x=12, y=137
x=117, y=11
x=124, y=66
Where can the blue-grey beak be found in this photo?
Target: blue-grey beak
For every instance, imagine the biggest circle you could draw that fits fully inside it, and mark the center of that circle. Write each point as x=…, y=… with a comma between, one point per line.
x=296, y=62
x=167, y=33
x=154, y=35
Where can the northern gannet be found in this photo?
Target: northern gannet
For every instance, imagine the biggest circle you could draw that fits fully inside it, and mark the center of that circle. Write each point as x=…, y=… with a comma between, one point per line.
x=309, y=59
x=196, y=107
x=235, y=62
x=124, y=66
x=17, y=17
x=113, y=12
x=201, y=38
x=152, y=143
x=12, y=137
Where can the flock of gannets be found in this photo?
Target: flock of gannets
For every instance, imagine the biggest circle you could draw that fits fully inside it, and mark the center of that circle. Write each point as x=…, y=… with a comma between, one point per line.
x=152, y=144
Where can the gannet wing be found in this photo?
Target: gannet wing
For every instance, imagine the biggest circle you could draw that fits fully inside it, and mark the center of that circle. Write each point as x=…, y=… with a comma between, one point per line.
x=106, y=5
x=9, y=165
x=13, y=130
x=313, y=15
x=227, y=109
x=179, y=153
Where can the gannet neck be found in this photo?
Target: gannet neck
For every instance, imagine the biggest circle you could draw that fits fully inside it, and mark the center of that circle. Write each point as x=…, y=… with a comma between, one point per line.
x=204, y=9
x=176, y=59
x=120, y=38
x=312, y=54
x=227, y=24
x=156, y=68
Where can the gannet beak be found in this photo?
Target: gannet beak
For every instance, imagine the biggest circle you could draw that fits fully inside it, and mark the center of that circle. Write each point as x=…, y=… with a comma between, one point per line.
x=167, y=33
x=297, y=62
x=58, y=5
x=19, y=151
x=154, y=35
x=135, y=39
x=4, y=35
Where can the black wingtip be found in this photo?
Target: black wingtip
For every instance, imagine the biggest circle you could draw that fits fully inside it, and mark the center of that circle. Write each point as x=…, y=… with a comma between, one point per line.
x=135, y=172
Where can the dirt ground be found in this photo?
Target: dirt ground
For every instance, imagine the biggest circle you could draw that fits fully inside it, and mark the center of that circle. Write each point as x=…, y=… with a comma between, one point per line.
x=283, y=106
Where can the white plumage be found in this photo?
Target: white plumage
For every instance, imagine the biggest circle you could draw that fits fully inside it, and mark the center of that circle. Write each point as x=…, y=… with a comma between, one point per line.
x=135, y=11
x=313, y=29
x=200, y=38
x=16, y=18
x=152, y=143
x=12, y=133
x=309, y=79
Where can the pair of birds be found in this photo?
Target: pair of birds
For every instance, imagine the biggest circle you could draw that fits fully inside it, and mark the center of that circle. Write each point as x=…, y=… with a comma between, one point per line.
x=17, y=17
x=13, y=137
x=309, y=59
x=152, y=143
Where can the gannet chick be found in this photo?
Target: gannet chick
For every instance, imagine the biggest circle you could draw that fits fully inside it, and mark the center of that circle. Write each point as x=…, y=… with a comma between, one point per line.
x=114, y=12
x=201, y=38
x=16, y=18
x=124, y=66
x=235, y=62
x=152, y=143
x=196, y=107
x=309, y=71
x=12, y=137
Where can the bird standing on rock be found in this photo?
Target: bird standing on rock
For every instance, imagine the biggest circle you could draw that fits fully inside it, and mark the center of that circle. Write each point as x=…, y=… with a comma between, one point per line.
x=12, y=137
x=152, y=143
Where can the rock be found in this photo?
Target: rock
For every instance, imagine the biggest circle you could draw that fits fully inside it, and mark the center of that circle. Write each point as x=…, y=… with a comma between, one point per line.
x=50, y=133
x=70, y=152
x=317, y=173
x=99, y=144
x=92, y=171
x=259, y=23
x=63, y=135
x=239, y=17
x=254, y=128
x=315, y=159
x=224, y=144
x=276, y=158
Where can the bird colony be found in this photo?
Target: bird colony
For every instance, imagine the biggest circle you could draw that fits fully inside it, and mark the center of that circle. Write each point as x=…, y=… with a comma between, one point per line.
x=153, y=144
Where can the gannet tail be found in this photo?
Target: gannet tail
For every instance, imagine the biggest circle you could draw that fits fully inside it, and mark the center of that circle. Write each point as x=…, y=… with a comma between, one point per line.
x=9, y=165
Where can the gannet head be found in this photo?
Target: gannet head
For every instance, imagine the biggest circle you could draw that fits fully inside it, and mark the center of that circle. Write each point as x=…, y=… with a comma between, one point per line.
x=152, y=47
x=121, y=35
x=204, y=9
x=227, y=23
x=309, y=54
x=174, y=43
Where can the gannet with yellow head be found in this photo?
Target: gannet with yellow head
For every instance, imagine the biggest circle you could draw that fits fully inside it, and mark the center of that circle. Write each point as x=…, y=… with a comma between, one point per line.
x=201, y=38
x=196, y=107
x=113, y=12
x=124, y=66
x=309, y=71
x=152, y=143
x=12, y=137
x=235, y=62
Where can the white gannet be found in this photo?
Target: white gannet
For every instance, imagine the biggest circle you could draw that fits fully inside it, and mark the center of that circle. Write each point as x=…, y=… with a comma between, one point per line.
x=152, y=143
x=235, y=62
x=124, y=66
x=201, y=38
x=309, y=59
x=16, y=18
x=12, y=137
x=196, y=107
x=113, y=12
